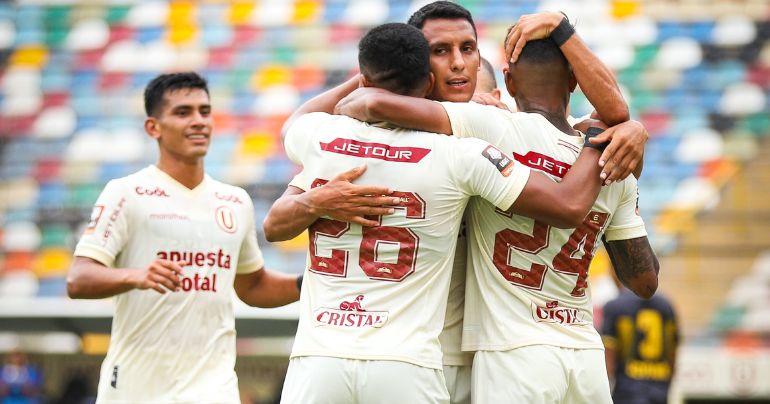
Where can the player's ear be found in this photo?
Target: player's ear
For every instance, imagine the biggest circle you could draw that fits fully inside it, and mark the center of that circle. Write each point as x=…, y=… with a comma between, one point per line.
x=364, y=81
x=151, y=126
x=508, y=78
x=496, y=93
x=431, y=83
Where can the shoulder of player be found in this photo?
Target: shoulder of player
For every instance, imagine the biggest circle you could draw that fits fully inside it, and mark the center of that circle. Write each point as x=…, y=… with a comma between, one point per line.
x=129, y=183
x=229, y=193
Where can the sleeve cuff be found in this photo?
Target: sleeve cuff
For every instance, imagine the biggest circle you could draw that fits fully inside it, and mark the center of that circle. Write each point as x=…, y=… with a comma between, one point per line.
x=95, y=253
x=625, y=233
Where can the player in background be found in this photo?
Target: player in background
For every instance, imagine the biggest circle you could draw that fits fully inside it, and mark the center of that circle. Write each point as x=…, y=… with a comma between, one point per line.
x=374, y=298
x=527, y=296
x=457, y=364
x=171, y=244
x=640, y=343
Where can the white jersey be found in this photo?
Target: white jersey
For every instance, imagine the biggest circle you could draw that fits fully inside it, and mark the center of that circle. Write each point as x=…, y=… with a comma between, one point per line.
x=528, y=281
x=178, y=346
x=380, y=293
x=451, y=335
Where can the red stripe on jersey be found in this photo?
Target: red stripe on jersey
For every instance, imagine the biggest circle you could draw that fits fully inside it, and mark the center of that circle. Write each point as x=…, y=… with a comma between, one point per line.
x=380, y=151
x=543, y=163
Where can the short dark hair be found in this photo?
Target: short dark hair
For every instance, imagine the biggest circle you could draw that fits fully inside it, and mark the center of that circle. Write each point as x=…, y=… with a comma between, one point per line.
x=441, y=9
x=159, y=86
x=542, y=51
x=395, y=56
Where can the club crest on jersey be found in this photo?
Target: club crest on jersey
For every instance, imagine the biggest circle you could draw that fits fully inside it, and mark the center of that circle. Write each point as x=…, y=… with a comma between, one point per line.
x=226, y=219
x=553, y=313
x=350, y=314
x=96, y=213
x=503, y=163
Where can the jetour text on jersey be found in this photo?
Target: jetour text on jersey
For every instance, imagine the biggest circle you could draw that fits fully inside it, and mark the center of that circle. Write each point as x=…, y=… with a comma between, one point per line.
x=216, y=259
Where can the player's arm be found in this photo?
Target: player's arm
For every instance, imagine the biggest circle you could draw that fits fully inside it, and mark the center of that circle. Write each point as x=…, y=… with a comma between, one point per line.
x=90, y=279
x=339, y=199
x=323, y=102
x=636, y=265
x=594, y=77
x=371, y=104
x=264, y=288
x=565, y=204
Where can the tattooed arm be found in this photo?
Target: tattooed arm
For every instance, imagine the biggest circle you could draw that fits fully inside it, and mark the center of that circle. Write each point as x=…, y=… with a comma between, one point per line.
x=635, y=265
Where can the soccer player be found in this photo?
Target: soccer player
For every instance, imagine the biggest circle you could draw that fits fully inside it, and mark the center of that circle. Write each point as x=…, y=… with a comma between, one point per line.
x=527, y=297
x=640, y=342
x=374, y=298
x=172, y=245
x=457, y=364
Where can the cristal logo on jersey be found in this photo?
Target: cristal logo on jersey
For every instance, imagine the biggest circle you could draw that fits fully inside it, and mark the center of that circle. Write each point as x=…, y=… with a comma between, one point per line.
x=96, y=213
x=350, y=314
x=503, y=163
x=226, y=219
x=543, y=163
x=156, y=191
x=553, y=313
x=379, y=151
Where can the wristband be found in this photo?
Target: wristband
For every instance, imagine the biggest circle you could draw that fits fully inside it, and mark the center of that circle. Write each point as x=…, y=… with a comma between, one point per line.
x=299, y=282
x=591, y=133
x=562, y=32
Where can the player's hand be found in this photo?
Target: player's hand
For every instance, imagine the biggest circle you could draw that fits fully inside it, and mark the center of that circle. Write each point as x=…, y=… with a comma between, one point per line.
x=529, y=28
x=161, y=275
x=489, y=99
x=625, y=151
x=354, y=104
x=342, y=200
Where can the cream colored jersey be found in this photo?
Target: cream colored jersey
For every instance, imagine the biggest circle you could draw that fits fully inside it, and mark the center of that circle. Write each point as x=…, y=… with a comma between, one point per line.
x=380, y=293
x=528, y=282
x=451, y=335
x=178, y=346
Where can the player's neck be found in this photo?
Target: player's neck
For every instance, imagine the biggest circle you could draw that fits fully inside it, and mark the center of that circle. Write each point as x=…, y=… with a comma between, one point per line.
x=555, y=113
x=190, y=174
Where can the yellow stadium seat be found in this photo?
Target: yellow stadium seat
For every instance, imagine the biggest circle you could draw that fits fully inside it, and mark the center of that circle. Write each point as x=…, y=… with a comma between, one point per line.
x=271, y=75
x=30, y=56
x=306, y=11
x=54, y=261
x=256, y=144
x=625, y=8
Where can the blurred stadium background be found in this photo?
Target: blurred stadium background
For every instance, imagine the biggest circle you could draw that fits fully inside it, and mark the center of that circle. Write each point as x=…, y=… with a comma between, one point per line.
x=695, y=72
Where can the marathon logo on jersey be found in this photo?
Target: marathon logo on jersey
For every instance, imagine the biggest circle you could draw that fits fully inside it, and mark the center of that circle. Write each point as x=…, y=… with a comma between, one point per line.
x=503, y=163
x=228, y=198
x=379, y=151
x=543, y=163
x=96, y=214
x=350, y=314
x=553, y=313
x=156, y=191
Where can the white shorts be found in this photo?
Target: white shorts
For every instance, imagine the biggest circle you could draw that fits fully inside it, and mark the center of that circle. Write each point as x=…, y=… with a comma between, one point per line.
x=540, y=374
x=327, y=380
x=458, y=382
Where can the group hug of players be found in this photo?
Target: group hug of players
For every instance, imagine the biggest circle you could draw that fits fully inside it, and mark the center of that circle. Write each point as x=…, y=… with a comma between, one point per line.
x=449, y=241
